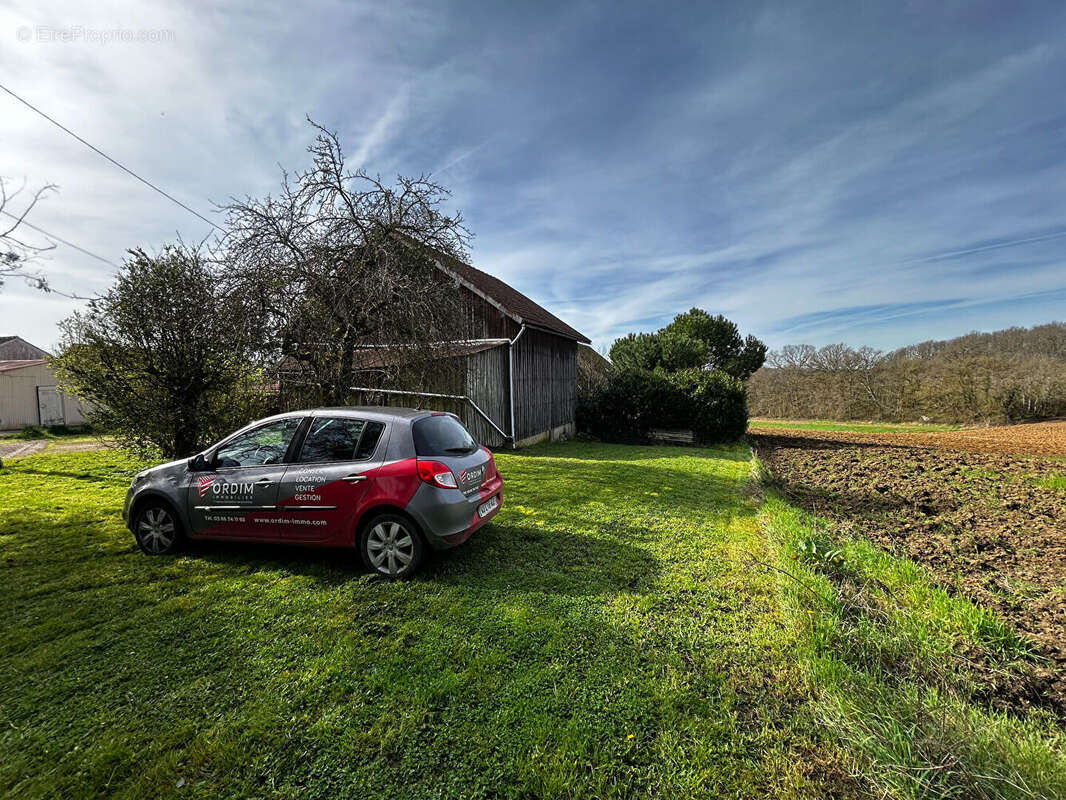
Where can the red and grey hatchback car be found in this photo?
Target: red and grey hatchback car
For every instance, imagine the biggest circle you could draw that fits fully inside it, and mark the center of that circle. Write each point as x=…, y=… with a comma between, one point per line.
x=391, y=482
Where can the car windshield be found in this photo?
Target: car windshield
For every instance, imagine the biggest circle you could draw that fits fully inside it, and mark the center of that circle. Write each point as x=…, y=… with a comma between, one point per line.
x=442, y=435
x=263, y=445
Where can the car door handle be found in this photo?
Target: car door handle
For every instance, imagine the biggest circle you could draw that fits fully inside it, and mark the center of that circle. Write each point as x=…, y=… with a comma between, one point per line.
x=354, y=478
x=263, y=482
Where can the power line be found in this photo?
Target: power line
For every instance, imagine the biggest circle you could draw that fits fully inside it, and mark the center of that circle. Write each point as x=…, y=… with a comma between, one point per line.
x=100, y=152
x=62, y=241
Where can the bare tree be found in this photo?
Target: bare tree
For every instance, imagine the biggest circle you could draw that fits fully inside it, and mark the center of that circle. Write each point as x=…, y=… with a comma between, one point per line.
x=347, y=264
x=17, y=254
x=791, y=355
x=1010, y=375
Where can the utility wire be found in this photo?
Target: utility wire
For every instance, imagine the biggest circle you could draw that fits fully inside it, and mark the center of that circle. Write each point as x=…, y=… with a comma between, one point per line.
x=62, y=241
x=100, y=152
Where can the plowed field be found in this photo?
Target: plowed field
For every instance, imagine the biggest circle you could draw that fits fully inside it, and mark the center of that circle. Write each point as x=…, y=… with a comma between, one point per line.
x=988, y=521
x=1038, y=438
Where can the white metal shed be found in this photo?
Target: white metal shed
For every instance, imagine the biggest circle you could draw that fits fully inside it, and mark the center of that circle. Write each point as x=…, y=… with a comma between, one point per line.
x=28, y=396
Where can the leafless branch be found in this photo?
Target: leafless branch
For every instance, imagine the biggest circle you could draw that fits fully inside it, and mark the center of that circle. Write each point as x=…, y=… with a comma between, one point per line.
x=343, y=260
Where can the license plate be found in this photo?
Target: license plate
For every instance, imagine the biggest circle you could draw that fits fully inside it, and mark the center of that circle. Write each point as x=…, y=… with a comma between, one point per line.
x=488, y=507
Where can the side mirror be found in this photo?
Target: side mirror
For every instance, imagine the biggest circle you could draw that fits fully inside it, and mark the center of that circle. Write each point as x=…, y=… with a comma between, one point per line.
x=198, y=463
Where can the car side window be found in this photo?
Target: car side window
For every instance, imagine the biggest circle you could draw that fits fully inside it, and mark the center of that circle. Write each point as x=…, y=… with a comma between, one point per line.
x=369, y=440
x=264, y=445
x=331, y=439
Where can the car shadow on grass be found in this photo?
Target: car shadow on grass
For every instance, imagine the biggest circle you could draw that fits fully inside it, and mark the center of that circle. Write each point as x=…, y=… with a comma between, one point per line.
x=497, y=557
x=507, y=556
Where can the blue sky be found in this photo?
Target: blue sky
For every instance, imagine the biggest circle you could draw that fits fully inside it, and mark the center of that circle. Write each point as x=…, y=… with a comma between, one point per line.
x=817, y=172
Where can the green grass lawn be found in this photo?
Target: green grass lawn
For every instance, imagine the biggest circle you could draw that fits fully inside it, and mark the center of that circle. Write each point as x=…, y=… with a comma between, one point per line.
x=631, y=625
x=603, y=638
x=850, y=427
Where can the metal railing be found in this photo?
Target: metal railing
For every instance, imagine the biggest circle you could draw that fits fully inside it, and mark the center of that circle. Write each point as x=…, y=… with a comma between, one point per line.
x=461, y=397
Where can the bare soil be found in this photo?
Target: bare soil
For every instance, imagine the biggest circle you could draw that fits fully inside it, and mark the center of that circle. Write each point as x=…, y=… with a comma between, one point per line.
x=963, y=504
x=1033, y=439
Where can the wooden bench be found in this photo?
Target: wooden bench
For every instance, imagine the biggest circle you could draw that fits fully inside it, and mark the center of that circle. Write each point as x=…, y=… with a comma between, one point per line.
x=672, y=437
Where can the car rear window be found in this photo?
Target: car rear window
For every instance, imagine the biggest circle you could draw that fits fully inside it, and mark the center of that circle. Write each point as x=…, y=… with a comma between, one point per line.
x=442, y=435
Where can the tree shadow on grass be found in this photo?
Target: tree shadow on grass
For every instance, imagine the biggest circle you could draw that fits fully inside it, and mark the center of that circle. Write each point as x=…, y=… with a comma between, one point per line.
x=52, y=473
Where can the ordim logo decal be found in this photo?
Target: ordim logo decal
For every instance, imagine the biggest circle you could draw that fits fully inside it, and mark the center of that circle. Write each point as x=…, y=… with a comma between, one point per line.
x=474, y=473
x=220, y=490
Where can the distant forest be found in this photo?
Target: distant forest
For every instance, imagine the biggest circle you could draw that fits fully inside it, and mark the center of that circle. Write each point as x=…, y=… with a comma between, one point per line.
x=1006, y=376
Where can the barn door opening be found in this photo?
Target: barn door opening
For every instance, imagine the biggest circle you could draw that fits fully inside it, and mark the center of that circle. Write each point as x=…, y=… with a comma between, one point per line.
x=49, y=406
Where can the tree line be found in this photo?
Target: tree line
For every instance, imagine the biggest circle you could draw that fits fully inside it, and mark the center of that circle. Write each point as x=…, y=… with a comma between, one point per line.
x=1010, y=375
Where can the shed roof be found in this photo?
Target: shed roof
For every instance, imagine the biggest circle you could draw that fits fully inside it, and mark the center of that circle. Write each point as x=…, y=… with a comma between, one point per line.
x=7, y=366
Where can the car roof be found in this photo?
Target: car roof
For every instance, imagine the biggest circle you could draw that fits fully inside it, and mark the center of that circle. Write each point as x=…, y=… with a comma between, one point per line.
x=373, y=412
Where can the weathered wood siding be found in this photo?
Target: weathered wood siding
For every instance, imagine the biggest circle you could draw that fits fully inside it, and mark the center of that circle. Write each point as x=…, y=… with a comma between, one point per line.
x=483, y=377
x=487, y=385
x=484, y=320
x=545, y=377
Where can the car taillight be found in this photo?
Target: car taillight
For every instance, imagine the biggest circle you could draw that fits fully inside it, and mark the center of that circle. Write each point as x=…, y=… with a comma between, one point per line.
x=437, y=474
x=490, y=470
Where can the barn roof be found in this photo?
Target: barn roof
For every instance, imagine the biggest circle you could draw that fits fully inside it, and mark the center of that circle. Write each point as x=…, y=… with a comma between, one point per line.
x=6, y=366
x=508, y=299
x=7, y=338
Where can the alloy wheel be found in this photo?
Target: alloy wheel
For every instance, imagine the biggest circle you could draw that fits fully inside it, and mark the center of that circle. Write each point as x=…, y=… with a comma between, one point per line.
x=391, y=547
x=156, y=530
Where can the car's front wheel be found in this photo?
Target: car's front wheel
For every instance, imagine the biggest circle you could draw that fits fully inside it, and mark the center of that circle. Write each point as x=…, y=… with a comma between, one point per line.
x=156, y=529
x=392, y=546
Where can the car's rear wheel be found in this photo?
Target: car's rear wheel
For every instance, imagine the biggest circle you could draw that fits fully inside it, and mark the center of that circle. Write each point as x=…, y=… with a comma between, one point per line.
x=392, y=546
x=157, y=529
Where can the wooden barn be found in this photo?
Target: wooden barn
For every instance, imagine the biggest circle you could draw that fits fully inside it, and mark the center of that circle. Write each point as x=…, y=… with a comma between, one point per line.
x=515, y=376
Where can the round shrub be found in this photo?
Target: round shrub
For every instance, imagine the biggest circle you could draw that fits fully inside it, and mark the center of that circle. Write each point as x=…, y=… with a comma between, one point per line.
x=711, y=403
x=631, y=402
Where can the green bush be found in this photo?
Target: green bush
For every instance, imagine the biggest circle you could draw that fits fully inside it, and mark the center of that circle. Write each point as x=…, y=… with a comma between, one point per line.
x=712, y=404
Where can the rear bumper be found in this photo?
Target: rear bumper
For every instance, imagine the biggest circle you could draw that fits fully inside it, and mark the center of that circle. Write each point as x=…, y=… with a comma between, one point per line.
x=448, y=517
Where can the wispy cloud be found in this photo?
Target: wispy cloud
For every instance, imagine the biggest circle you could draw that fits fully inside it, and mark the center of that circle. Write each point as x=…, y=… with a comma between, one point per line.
x=880, y=176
